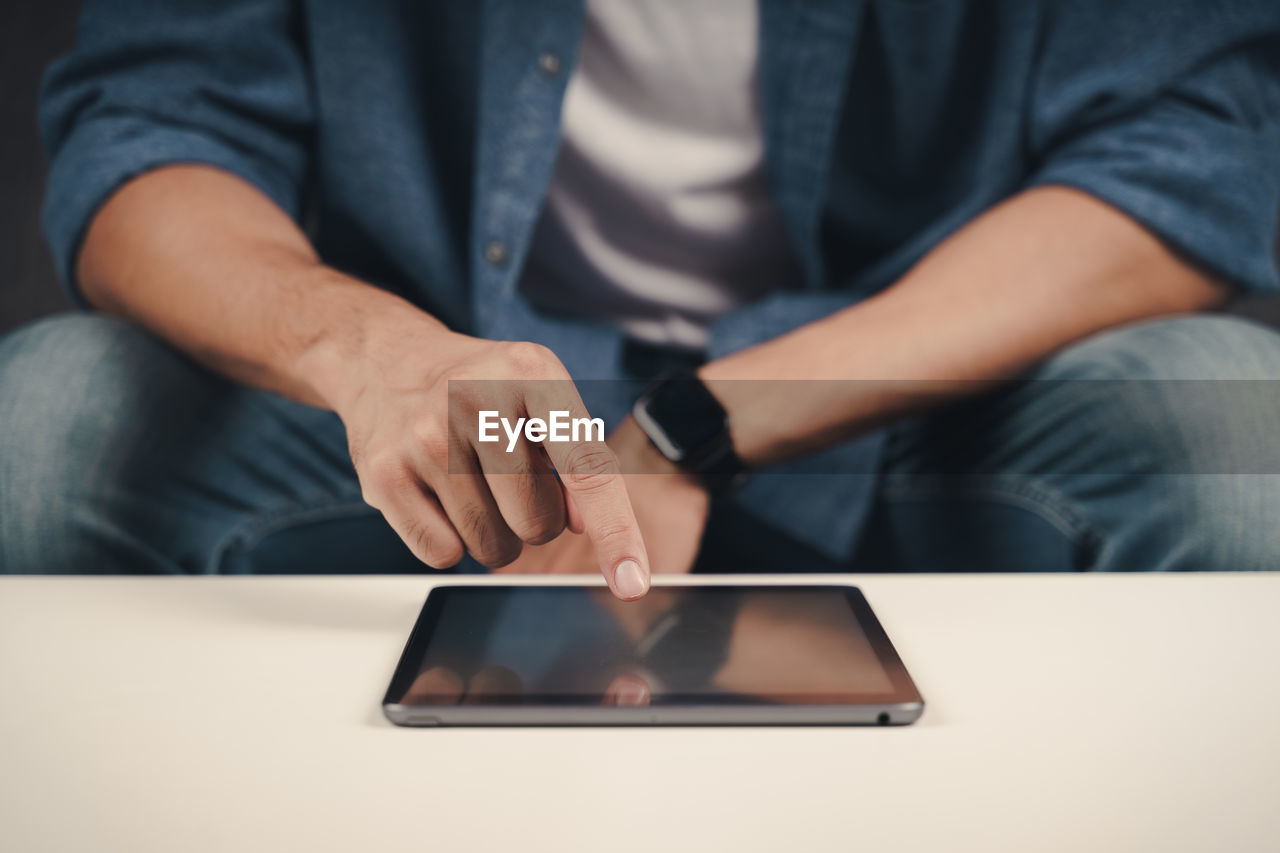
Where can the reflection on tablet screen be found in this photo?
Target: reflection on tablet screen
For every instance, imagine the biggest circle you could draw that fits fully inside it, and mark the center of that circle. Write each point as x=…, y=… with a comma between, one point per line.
x=580, y=645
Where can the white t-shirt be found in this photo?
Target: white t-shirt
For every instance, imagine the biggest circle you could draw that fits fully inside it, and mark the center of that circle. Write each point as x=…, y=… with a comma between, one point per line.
x=658, y=216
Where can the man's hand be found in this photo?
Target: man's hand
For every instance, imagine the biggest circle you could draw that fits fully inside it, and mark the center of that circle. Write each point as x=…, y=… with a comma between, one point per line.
x=670, y=506
x=208, y=262
x=416, y=449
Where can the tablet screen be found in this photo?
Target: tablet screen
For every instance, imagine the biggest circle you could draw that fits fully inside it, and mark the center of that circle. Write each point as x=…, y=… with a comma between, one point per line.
x=578, y=645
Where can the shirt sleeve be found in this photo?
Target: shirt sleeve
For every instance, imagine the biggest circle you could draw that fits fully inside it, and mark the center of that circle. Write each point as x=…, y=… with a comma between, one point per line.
x=1169, y=112
x=217, y=82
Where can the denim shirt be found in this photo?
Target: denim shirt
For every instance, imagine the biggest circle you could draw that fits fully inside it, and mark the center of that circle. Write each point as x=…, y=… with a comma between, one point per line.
x=416, y=142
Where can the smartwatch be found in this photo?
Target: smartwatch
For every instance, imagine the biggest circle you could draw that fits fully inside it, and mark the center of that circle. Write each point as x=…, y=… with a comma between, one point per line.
x=688, y=426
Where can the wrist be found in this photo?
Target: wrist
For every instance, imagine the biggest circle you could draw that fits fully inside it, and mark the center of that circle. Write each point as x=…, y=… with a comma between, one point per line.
x=356, y=327
x=636, y=455
x=766, y=409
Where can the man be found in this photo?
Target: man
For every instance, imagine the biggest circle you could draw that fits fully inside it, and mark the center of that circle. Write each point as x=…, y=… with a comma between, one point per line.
x=337, y=211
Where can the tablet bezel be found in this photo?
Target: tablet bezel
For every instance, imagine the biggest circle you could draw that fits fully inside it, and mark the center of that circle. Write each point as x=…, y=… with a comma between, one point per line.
x=901, y=706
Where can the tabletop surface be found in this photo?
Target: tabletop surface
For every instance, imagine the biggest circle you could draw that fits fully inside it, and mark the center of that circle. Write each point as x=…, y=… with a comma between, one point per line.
x=1072, y=713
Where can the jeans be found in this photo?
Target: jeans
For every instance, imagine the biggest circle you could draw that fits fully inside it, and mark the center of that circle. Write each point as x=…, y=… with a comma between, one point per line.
x=118, y=454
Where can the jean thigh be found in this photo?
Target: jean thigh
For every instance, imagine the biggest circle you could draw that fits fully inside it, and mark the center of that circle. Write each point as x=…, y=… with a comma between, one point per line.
x=121, y=455
x=1149, y=447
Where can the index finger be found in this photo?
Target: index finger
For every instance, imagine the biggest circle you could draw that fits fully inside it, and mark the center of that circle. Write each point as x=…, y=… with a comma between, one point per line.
x=591, y=477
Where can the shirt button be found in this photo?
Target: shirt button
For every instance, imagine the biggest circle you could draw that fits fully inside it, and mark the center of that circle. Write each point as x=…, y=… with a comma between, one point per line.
x=549, y=63
x=496, y=253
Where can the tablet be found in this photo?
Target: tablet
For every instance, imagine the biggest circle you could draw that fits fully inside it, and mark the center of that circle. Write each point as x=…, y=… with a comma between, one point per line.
x=537, y=655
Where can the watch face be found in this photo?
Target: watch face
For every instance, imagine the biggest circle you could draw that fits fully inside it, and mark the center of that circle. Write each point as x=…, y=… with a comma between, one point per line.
x=686, y=413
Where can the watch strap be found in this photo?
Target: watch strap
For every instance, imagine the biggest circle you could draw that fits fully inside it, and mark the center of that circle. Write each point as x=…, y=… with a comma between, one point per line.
x=714, y=461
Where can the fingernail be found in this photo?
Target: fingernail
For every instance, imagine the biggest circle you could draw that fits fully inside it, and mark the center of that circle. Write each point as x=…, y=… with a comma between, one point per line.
x=629, y=580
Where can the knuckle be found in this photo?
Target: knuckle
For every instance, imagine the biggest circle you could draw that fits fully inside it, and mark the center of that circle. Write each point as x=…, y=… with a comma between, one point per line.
x=540, y=525
x=488, y=543
x=527, y=355
x=442, y=555
x=540, y=511
x=418, y=537
x=385, y=473
x=431, y=548
x=528, y=359
x=589, y=467
x=494, y=557
x=370, y=492
x=535, y=483
x=612, y=531
x=434, y=442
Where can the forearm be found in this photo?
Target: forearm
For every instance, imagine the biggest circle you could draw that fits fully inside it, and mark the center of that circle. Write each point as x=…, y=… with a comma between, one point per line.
x=211, y=264
x=1034, y=274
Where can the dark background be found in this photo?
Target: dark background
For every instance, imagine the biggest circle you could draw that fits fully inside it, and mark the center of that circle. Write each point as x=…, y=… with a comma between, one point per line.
x=31, y=34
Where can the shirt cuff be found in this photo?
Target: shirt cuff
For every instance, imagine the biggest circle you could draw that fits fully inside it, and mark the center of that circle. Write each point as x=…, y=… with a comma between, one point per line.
x=1202, y=189
x=102, y=155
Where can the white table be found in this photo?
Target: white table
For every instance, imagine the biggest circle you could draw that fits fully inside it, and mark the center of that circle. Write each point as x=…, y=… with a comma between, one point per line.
x=1072, y=713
